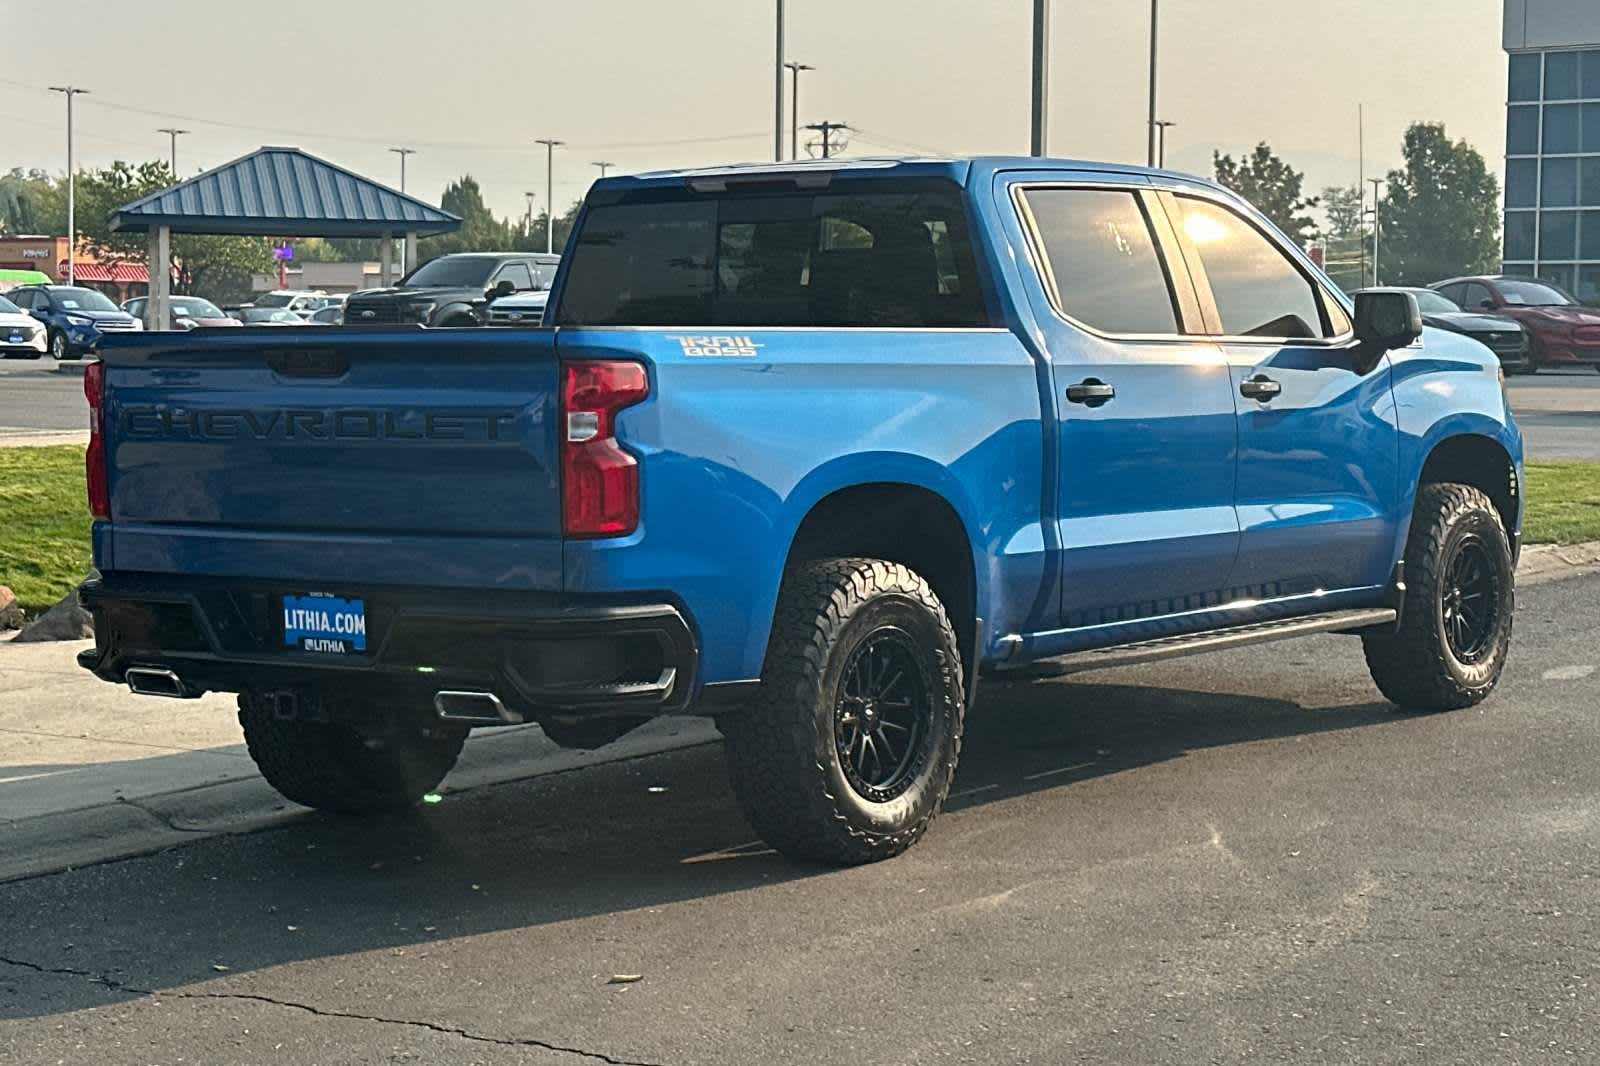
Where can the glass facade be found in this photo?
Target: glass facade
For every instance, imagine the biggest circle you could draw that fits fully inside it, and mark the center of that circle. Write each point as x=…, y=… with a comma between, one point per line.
x=1552, y=226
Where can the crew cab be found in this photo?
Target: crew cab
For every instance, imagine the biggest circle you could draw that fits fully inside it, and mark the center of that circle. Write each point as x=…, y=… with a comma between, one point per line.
x=452, y=290
x=807, y=448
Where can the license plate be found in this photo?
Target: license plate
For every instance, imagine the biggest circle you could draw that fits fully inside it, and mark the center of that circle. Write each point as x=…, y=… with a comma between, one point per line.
x=15, y=338
x=318, y=622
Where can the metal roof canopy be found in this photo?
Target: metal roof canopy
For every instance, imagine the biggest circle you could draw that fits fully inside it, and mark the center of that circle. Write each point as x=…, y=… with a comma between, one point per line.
x=283, y=192
x=276, y=192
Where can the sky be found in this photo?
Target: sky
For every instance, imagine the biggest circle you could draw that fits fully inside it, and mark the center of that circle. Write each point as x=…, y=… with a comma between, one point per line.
x=646, y=85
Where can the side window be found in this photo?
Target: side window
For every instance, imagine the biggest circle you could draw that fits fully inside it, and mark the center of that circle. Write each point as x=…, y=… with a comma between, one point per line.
x=23, y=299
x=1473, y=297
x=1454, y=293
x=1101, y=261
x=1259, y=292
x=516, y=273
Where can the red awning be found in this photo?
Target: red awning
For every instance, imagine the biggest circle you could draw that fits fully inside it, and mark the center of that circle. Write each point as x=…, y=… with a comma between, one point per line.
x=118, y=273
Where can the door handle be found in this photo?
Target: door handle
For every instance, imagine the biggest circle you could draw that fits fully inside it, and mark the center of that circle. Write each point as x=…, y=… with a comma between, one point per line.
x=1091, y=392
x=1260, y=388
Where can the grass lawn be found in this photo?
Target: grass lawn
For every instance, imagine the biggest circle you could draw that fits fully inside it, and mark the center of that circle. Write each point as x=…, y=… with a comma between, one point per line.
x=1563, y=503
x=44, y=523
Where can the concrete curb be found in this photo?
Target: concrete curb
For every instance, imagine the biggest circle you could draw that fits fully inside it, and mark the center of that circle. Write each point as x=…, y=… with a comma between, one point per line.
x=1548, y=562
x=44, y=440
x=51, y=843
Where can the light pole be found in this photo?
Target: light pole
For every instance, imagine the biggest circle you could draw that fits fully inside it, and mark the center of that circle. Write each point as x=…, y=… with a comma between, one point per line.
x=402, y=153
x=1161, y=125
x=72, y=187
x=1151, y=130
x=777, y=94
x=549, y=191
x=528, y=223
x=794, y=108
x=1039, y=138
x=1375, y=182
x=173, y=133
x=604, y=166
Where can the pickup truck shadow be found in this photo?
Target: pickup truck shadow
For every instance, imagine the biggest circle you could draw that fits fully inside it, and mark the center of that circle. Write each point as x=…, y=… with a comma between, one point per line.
x=555, y=858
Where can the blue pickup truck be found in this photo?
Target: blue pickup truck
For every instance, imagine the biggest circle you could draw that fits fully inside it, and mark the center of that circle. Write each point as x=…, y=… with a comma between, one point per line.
x=806, y=448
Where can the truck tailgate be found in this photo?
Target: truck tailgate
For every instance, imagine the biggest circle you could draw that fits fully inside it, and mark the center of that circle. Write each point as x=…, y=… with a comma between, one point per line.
x=403, y=456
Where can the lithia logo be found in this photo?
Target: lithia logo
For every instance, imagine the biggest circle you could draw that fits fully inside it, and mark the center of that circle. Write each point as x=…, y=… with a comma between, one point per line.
x=716, y=346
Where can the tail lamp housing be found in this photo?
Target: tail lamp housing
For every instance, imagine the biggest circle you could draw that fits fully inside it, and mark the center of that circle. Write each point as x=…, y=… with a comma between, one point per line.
x=599, y=478
x=94, y=458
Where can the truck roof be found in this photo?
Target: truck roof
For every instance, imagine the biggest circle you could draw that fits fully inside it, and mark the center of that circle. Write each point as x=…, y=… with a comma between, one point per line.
x=961, y=170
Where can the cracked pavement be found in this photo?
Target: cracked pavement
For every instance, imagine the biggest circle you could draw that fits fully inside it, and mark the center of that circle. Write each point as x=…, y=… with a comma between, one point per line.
x=1240, y=857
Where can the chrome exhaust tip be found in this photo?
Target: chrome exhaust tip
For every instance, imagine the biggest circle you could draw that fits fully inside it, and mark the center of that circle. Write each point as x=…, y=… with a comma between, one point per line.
x=473, y=708
x=155, y=681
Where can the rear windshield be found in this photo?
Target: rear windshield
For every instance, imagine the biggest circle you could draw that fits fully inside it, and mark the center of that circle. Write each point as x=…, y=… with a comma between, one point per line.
x=901, y=258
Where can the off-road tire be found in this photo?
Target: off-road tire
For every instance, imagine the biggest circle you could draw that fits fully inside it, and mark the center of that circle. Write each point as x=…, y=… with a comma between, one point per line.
x=783, y=757
x=1415, y=666
x=332, y=767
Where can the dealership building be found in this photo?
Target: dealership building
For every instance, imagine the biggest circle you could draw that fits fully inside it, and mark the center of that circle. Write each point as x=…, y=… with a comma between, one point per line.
x=1553, y=143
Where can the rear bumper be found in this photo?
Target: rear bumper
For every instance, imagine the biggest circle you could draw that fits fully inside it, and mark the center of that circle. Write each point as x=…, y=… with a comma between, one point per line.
x=542, y=656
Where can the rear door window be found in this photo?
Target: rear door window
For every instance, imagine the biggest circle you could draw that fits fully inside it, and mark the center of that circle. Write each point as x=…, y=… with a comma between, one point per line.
x=1101, y=260
x=837, y=258
x=516, y=273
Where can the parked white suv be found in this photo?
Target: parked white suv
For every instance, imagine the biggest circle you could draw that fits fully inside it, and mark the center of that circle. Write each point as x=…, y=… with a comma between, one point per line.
x=300, y=301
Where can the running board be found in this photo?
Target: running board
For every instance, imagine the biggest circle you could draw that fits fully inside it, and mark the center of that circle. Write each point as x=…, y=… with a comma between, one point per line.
x=1149, y=651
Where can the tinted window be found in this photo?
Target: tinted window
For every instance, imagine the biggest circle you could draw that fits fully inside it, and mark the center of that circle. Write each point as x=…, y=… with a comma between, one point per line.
x=1522, y=130
x=1258, y=291
x=1525, y=74
x=1561, y=76
x=1522, y=182
x=1561, y=129
x=776, y=259
x=517, y=274
x=1558, y=235
x=1519, y=234
x=23, y=299
x=452, y=272
x=1473, y=297
x=1588, y=237
x=1591, y=128
x=1561, y=278
x=1591, y=76
x=1589, y=284
x=1102, y=259
x=1560, y=184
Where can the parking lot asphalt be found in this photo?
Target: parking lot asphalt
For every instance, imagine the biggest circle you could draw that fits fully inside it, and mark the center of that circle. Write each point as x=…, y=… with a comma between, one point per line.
x=1559, y=411
x=1235, y=858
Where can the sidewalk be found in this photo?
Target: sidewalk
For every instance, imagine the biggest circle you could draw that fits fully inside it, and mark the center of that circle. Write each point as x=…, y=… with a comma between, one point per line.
x=32, y=438
x=90, y=772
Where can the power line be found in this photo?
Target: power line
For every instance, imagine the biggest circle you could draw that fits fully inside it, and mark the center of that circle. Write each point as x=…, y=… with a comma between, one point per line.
x=826, y=128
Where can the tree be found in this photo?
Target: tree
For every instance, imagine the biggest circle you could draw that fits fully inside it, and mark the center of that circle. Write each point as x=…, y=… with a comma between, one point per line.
x=1345, y=235
x=31, y=203
x=1441, y=214
x=205, y=265
x=1272, y=186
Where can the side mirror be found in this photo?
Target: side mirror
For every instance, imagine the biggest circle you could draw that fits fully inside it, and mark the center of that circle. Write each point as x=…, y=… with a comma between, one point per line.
x=503, y=287
x=1486, y=305
x=1387, y=319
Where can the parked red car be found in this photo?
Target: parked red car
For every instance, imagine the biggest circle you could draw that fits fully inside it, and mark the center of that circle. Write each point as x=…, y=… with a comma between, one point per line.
x=1563, y=331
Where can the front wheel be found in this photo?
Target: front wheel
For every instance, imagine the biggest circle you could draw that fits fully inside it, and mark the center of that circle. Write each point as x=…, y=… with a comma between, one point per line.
x=333, y=767
x=847, y=753
x=1455, y=623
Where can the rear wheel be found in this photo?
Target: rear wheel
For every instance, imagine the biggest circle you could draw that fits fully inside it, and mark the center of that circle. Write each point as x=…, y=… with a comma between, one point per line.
x=1455, y=624
x=333, y=767
x=847, y=752
x=59, y=348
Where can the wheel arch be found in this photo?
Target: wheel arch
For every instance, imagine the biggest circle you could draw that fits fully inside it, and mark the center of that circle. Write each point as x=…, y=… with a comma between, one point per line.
x=1484, y=462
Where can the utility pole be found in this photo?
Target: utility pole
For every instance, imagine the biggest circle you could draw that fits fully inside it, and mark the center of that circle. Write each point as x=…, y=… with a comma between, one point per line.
x=1161, y=125
x=173, y=133
x=777, y=94
x=402, y=153
x=1151, y=130
x=1375, y=227
x=72, y=188
x=1039, y=140
x=1361, y=178
x=826, y=129
x=794, y=108
x=550, y=191
x=604, y=166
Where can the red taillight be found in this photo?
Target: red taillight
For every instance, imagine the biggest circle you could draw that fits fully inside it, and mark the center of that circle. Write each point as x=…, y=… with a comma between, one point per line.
x=94, y=459
x=599, y=480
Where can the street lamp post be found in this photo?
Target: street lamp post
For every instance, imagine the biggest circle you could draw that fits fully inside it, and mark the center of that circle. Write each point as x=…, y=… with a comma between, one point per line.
x=603, y=165
x=72, y=187
x=1376, y=225
x=173, y=133
x=1039, y=139
x=1151, y=133
x=794, y=108
x=777, y=95
x=1161, y=125
x=402, y=153
x=549, y=191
